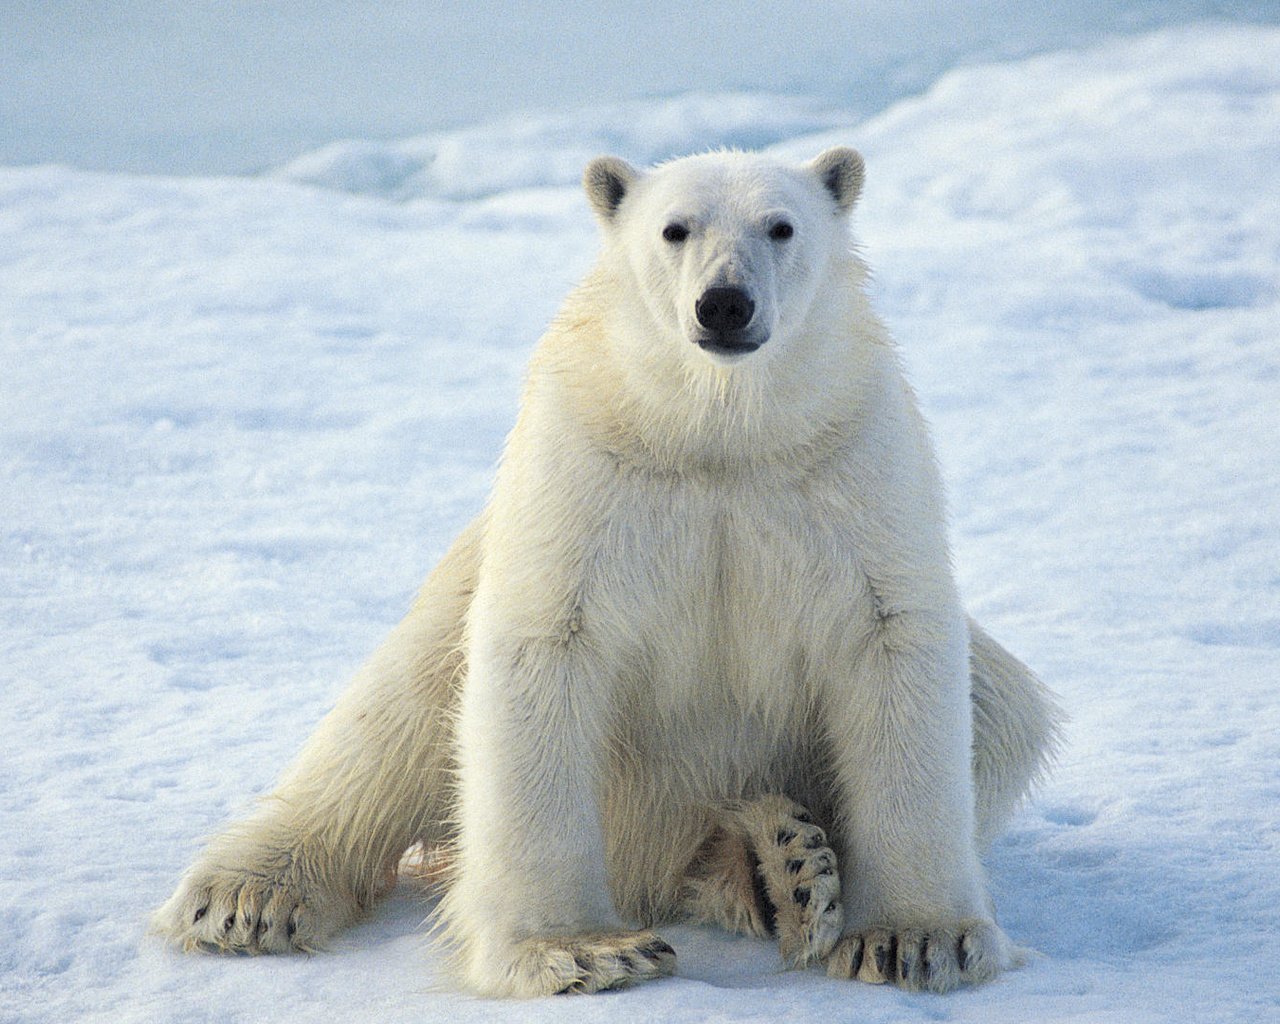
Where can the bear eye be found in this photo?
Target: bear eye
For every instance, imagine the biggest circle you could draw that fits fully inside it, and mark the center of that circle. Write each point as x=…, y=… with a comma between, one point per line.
x=675, y=233
x=781, y=231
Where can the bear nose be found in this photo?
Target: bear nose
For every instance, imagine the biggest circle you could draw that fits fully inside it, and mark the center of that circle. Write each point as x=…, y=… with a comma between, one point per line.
x=724, y=309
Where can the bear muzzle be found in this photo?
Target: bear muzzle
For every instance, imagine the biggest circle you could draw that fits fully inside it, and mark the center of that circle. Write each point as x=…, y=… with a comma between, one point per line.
x=725, y=315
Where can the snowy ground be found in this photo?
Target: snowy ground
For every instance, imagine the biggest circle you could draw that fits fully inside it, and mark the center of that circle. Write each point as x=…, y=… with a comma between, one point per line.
x=242, y=418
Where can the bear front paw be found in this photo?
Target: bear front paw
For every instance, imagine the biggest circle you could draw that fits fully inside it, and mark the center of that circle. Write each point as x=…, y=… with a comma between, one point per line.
x=937, y=958
x=559, y=965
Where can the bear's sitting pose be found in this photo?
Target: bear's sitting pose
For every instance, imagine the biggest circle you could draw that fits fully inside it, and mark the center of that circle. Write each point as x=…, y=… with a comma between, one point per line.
x=702, y=655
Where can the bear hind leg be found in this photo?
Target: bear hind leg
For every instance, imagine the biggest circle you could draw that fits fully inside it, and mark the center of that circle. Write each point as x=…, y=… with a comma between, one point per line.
x=372, y=781
x=1016, y=731
x=766, y=870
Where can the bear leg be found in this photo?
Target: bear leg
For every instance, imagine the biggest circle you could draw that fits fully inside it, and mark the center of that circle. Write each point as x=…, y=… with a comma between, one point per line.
x=372, y=780
x=766, y=870
x=1016, y=730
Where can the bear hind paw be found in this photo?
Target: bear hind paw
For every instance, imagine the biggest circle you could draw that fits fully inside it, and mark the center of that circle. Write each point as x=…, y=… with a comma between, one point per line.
x=229, y=912
x=768, y=871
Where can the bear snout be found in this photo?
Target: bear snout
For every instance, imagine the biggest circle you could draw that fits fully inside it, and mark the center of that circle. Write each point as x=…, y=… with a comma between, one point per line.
x=724, y=315
x=724, y=310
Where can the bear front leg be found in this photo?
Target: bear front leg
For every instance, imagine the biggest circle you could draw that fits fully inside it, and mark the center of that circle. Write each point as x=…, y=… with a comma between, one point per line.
x=916, y=910
x=529, y=911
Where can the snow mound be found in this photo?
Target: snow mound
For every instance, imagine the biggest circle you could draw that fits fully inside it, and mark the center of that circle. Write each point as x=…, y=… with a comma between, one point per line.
x=551, y=150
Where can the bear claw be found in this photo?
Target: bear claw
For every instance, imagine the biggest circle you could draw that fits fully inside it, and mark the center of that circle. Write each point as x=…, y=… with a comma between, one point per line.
x=937, y=959
x=566, y=965
x=796, y=878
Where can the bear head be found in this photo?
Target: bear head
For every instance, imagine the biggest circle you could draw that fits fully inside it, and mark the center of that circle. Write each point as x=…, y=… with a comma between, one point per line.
x=725, y=251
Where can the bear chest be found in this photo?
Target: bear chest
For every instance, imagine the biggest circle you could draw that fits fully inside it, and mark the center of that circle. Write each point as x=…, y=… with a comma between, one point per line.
x=726, y=590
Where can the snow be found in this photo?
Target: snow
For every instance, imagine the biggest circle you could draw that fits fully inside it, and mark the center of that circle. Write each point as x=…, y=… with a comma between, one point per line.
x=244, y=416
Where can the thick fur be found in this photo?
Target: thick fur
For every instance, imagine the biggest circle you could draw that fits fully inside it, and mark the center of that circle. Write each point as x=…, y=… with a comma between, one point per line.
x=767, y=870
x=703, y=578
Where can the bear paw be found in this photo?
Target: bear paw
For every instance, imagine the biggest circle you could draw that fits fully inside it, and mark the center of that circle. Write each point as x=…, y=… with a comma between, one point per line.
x=589, y=963
x=796, y=879
x=767, y=870
x=228, y=911
x=936, y=959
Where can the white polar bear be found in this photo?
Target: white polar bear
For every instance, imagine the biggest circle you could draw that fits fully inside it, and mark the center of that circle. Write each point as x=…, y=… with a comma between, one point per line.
x=708, y=607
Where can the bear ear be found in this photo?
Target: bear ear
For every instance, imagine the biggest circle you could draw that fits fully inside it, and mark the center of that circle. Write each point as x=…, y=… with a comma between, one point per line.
x=606, y=180
x=841, y=170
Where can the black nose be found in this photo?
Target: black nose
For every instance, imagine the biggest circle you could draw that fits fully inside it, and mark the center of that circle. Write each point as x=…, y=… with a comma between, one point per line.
x=724, y=309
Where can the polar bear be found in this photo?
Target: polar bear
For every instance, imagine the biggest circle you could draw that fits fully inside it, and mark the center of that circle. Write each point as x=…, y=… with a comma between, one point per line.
x=701, y=657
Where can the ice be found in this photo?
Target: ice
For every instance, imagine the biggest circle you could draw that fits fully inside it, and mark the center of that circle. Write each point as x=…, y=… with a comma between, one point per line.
x=244, y=416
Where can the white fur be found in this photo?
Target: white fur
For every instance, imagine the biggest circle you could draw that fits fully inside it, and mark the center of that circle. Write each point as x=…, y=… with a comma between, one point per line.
x=701, y=577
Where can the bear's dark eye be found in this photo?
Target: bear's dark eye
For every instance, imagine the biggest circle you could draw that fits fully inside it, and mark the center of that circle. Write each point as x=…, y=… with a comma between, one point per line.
x=781, y=231
x=675, y=233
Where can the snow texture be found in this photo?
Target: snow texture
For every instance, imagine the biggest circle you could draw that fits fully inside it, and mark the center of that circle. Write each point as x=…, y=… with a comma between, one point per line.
x=243, y=417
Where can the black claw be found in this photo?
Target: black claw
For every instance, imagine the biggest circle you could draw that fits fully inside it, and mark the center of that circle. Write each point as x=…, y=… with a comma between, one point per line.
x=292, y=930
x=656, y=949
x=887, y=957
x=199, y=914
x=230, y=922
x=801, y=896
x=785, y=836
x=803, y=816
x=627, y=963
x=855, y=961
x=814, y=841
x=904, y=968
x=962, y=958
x=764, y=905
x=882, y=960
x=794, y=865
